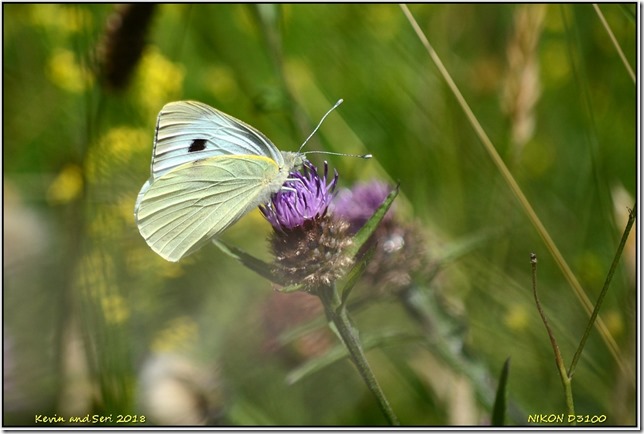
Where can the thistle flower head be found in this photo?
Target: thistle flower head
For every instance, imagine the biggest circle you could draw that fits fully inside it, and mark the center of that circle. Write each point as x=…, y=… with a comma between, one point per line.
x=305, y=197
x=307, y=243
x=356, y=205
x=400, y=251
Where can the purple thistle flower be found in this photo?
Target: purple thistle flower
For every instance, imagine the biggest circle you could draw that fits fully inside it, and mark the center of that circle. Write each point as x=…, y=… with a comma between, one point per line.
x=305, y=197
x=400, y=253
x=357, y=205
x=308, y=245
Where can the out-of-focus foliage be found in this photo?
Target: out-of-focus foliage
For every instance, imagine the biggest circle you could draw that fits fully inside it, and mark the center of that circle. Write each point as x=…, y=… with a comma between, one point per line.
x=96, y=323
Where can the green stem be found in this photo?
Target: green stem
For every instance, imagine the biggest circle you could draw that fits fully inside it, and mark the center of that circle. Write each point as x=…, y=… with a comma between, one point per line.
x=566, y=380
x=337, y=313
x=609, y=277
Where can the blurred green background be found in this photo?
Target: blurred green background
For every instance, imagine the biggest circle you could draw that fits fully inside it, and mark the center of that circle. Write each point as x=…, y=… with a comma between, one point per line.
x=95, y=323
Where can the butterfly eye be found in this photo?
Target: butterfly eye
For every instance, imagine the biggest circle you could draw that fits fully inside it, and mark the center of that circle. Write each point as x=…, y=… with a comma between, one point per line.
x=197, y=145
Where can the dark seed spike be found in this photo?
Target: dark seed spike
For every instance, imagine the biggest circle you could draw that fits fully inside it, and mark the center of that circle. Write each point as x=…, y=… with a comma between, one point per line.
x=123, y=43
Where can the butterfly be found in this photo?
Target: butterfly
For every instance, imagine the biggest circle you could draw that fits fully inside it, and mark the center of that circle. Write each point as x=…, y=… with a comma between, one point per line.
x=208, y=170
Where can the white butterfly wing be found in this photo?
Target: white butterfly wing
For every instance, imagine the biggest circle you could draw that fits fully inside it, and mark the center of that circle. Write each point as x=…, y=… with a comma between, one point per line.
x=190, y=130
x=183, y=209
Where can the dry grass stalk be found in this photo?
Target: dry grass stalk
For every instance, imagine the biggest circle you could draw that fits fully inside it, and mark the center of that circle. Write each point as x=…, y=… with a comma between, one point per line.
x=522, y=87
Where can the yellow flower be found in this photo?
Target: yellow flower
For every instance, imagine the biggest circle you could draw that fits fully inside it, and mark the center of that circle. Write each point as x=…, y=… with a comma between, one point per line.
x=117, y=145
x=115, y=309
x=62, y=19
x=65, y=72
x=517, y=317
x=158, y=81
x=67, y=186
x=180, y=333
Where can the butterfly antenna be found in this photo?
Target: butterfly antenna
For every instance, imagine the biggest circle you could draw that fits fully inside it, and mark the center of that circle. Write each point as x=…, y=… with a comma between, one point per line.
x=325, y=152
x=365, y=156
x=320, y=123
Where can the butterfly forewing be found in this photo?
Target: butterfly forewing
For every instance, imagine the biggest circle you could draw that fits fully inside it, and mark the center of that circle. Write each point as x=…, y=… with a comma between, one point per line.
x=190, y=130
x=183, y=209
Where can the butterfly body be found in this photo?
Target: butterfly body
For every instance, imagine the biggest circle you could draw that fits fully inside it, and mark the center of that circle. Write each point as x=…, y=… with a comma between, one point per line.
x=208, y=170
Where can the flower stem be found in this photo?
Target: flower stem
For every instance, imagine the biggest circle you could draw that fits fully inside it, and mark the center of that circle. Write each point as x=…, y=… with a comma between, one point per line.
x=337, y=313
x=566, y=380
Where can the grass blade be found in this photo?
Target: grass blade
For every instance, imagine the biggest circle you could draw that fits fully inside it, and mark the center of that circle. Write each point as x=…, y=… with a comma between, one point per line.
x=500, y=402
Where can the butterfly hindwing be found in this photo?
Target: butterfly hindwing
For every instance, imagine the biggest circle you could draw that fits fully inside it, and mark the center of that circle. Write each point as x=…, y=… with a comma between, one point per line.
x=189, y=130
x=181, y=210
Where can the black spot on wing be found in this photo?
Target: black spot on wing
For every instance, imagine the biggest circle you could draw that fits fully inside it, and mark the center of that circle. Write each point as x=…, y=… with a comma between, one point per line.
x=197, y=145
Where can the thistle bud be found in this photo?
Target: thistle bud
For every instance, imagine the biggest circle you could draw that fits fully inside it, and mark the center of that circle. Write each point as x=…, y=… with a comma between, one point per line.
x=400, y=251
